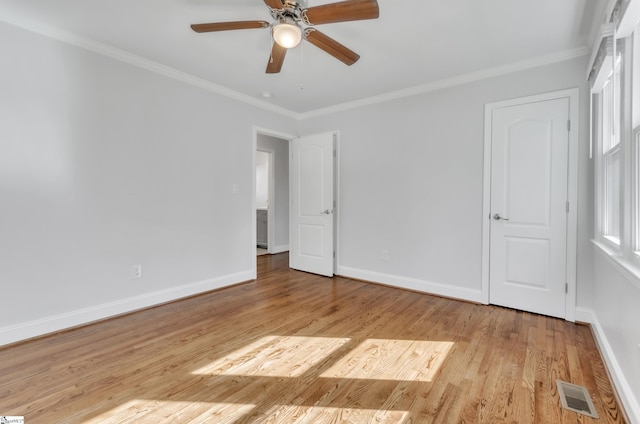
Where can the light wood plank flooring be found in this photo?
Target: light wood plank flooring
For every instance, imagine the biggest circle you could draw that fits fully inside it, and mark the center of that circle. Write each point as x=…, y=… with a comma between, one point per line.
x=294, y=347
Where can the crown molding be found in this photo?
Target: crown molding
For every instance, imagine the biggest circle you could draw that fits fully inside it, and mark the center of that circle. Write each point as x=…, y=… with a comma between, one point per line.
x=451, y=82
x=138, y=61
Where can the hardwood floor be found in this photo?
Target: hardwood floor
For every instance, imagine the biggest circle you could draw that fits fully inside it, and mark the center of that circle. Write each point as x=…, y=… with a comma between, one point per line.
x=295, y=347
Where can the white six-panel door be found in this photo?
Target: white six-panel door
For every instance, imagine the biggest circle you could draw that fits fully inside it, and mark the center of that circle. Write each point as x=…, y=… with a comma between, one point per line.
x=312, y=203
x=528, y=212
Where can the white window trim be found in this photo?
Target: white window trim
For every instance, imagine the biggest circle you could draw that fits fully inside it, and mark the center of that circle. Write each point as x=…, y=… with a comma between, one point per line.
x=626, y=266
x=634, y=196
x=600, y=182
x=626, y=255
x=634, y=161
x=606, y=225
x=629, y=166
x=603, y=78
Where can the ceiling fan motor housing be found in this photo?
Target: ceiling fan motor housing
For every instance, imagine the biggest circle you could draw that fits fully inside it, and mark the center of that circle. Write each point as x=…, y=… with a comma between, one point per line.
x=291, y=11
x=300, y=4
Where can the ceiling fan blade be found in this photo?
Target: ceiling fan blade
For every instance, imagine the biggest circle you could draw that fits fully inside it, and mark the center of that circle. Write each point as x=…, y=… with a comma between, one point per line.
x=349, y=10
x=274, y=4
x=227, y=26
x=276, y=59
x=331, y=46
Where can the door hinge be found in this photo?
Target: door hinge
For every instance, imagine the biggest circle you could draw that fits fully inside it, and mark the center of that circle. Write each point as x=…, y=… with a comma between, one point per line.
x=569, y=125
x=566, y=288
x=567, y=207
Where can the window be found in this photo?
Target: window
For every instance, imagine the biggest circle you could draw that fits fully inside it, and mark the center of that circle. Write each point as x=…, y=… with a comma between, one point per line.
x=607, y=83
x=635, y=143
x=614, y=74
x=636, y=193
x=610, y=141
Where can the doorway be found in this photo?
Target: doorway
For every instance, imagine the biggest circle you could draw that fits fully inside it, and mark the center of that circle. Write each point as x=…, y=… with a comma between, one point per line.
x=271, y=192
x=530, y=202
x=264, y=194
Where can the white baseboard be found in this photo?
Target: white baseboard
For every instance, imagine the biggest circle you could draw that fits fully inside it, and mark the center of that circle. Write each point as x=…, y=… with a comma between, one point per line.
x=629, y=402
x=423, y=286
x=280, y=249
x=39, y=327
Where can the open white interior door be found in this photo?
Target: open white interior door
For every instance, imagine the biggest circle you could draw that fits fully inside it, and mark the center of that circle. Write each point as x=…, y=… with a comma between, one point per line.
x=312, y=204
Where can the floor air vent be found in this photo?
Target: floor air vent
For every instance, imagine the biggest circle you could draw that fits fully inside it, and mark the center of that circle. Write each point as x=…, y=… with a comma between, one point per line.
x=576, y=399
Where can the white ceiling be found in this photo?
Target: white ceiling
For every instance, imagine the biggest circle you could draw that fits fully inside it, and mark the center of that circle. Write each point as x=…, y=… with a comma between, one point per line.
x=413, y=43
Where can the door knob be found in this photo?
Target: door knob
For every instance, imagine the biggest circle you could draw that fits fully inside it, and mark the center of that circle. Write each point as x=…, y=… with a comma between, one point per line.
x=497, y=217
x=326, y=212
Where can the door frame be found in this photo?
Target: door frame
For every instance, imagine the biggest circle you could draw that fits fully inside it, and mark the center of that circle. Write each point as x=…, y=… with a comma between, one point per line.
x=254, y=148
x=573, y=94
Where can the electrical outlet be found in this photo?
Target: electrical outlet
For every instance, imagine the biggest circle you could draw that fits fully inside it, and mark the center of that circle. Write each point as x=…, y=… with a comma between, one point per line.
x=137, y=272
x=235, y=189
x=384, y=255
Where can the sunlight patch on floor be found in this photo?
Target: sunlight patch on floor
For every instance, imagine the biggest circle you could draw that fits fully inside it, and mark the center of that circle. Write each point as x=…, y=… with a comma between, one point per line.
x=156, y=411
x=389, y=359
x=275, y=356
x=318, y=414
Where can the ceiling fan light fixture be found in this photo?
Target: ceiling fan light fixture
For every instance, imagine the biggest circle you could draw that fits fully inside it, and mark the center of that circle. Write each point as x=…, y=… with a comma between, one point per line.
x=287, y=35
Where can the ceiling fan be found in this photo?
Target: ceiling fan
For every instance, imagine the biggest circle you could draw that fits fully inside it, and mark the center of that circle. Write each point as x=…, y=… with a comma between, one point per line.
x=294, y=21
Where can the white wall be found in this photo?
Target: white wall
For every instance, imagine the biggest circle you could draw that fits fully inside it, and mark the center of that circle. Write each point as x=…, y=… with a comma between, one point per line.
x=411, y=182
x=616, y=314
x=104, y=166
x=279, y=206
x=262, y=180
